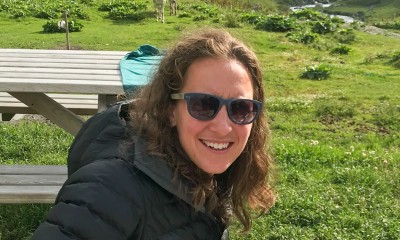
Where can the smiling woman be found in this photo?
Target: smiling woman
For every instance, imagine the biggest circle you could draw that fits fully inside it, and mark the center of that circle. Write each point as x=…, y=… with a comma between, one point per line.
x=175, y=162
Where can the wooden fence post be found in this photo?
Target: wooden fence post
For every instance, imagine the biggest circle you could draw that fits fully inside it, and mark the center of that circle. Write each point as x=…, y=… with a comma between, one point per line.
x=67, y=28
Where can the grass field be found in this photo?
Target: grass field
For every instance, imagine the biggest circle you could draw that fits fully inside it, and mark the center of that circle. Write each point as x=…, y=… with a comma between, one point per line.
x=336, y=140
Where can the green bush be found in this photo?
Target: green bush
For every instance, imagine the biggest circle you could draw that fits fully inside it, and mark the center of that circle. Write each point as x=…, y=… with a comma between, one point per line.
x=345, y=36
x=323, y=27
x=318, y=72
x=309, y=14
x=341, y=49
x=303, y=37
x=52, y=27
x=395, y=60
x=252, y=18
x=388, y=25
x=132, y=5
x=277, y=23
x=232, y=21
x=184, y=15
x=206, y=9
x=200, y=17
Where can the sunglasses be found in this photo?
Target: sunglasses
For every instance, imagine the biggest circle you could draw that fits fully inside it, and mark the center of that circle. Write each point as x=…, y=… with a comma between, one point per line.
x=205, y=107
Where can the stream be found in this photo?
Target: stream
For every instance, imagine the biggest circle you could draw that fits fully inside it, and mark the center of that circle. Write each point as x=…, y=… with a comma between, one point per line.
x=345, y=18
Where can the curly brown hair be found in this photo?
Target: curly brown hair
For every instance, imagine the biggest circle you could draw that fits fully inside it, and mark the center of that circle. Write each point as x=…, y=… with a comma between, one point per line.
x=246, y=183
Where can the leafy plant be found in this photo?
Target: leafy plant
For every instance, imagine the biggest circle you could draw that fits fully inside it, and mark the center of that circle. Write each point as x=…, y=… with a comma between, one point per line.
x=323, y=27
x=277, y=23
x=395, y=60
x=308, y=14
x=200, y=17
x=303, y=37
x=184, y=15
x=341, y=49
x=52, y=27
x=206, y=10
x=318, y=72
x=388, y=25
x=132, y=5
x=345, y=36
x=232, y=21
x=252, y=18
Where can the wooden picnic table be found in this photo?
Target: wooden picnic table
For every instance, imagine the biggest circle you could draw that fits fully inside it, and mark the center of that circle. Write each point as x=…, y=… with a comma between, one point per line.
x=29, y=75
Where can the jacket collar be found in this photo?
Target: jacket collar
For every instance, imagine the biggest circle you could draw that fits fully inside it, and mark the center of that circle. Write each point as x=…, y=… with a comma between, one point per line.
x=160, y=171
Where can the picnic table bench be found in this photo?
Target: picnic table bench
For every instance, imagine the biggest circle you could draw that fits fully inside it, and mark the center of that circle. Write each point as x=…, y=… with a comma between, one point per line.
x=60, y=85
x=31, y=183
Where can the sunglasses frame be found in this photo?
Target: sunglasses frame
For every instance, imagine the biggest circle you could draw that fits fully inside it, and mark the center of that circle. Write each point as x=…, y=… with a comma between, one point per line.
x=222, y=101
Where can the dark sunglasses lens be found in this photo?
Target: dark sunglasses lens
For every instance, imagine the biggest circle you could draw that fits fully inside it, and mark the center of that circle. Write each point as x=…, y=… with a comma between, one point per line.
x=203, y=107
x=243, y=111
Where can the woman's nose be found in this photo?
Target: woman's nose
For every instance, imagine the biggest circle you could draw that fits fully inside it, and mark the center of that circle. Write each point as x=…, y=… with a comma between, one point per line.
x=221, y=123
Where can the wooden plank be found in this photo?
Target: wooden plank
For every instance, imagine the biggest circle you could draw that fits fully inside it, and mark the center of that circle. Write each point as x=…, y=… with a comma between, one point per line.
x=60, y=71
x=61, y=86
x=54, y=51
x=28, y=194
x=58, y=60
x=53, y=111
x=77, y=103
x=32, y=180
x=64, y=55
x=57, y=65
x=33, y=169
x=31, y=183
x=73, y=76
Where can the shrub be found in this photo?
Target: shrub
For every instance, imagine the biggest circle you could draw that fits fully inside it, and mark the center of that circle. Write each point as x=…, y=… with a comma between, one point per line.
x=303, y=37
x=345, y=36
x=52, y=27
x=252, y=18
x=132, y=5
x=200, y=17
x=323, y=27
x=184, y=15
x=395, y=60
x=341, y=49
x=277, y=23
x=205, y=9
x=388, y=25
x=232, y=21
x=318, y=72
x=123, y=12
x=308, y=14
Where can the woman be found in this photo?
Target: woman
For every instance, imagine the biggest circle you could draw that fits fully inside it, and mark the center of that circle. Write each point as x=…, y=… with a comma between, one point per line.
x=189, y=152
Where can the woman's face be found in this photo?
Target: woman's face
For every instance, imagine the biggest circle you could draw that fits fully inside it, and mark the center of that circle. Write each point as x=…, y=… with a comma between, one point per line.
x=213, y=145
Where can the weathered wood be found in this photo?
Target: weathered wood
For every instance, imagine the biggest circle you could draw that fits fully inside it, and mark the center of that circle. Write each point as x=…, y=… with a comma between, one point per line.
x=32, y=169
x=77, y=103
x=60, y=86
x=31, y=183
x=52, y=110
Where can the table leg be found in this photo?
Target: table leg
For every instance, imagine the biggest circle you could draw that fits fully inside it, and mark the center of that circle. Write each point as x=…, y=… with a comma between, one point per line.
x=51, y=109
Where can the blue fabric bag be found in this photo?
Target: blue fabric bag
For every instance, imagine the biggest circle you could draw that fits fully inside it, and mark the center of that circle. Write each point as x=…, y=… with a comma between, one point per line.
x=138, y=67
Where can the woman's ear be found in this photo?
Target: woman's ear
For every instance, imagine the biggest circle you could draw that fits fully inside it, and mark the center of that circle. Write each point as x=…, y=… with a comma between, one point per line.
x=172, y=118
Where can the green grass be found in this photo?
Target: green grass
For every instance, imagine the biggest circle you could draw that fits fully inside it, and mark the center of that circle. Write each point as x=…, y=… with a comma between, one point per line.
x=336, y=141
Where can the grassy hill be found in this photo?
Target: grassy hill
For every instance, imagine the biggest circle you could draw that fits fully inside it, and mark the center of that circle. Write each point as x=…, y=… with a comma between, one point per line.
x=336, y=139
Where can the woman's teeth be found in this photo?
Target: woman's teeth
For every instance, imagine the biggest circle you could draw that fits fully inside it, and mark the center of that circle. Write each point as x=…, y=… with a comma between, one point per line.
x=218, y=146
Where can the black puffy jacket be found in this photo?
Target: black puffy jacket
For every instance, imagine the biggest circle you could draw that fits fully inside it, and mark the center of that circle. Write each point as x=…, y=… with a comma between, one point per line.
x=114, y=196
